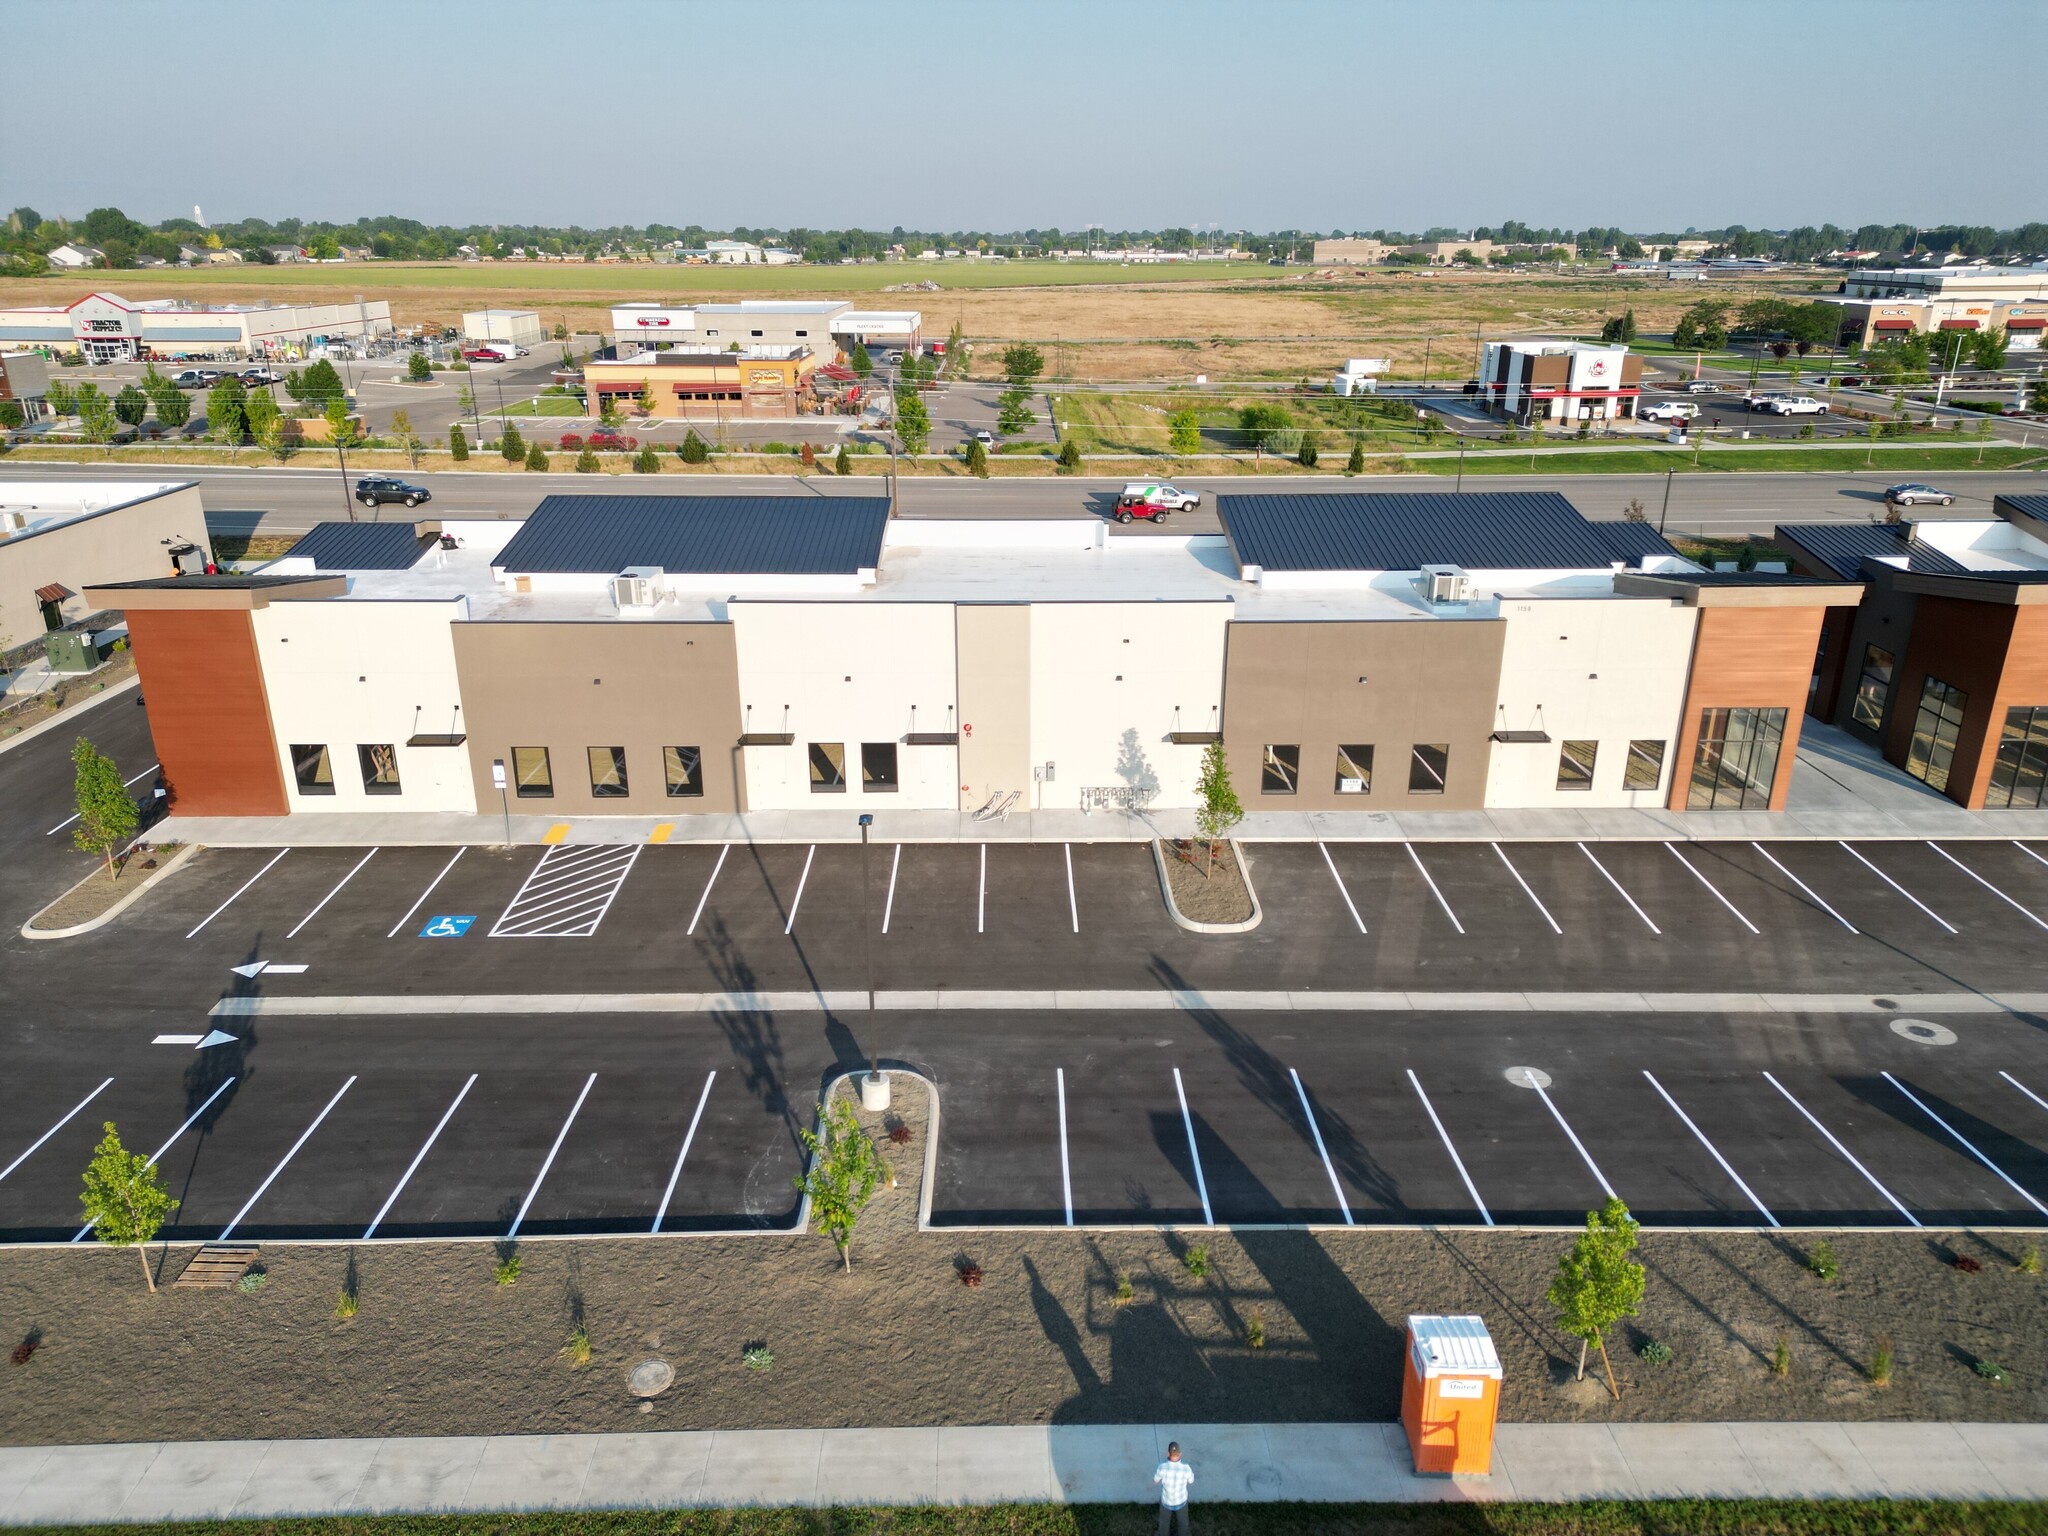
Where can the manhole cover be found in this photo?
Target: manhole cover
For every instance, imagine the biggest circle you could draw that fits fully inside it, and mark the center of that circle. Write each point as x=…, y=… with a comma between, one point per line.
x=651, y=1378
x=1528, y=1077
x=1924, y=1032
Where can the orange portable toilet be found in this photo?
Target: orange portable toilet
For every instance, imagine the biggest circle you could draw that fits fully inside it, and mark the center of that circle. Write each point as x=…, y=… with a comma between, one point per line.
x=1450, y=1395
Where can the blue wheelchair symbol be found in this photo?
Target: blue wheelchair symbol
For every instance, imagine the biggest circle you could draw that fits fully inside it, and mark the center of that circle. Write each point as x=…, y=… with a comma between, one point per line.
x=447, y=927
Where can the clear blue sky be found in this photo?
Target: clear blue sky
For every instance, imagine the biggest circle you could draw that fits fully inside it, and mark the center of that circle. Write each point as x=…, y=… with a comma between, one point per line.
x=1266, y=114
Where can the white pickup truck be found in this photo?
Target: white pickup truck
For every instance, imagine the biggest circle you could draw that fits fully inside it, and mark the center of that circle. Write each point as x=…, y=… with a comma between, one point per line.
x=1796, y=405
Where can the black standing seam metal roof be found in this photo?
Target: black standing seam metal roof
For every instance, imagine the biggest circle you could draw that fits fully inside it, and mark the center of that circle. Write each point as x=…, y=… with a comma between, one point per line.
x=1843, y=547
x=359, y=547
x=706, y=535
x=2032, y=505
x=1404, y=531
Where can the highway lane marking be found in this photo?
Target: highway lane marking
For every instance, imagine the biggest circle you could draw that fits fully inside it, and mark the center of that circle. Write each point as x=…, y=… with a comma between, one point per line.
x=1188, y=1121
x=169, y=1141
x=1965, y=1144
x=1321, y=1151
x=981, y=898
x=304, y=1136
x=216, y=912
x=1422, y=870
x=1701, y=1136
x=417, y=1158
x=1672, y=848
x=1848, y=1156
x=560, y=1136
x=724, y=849
x=889, y=904
x=1565, y=1126
x=688, y=1136
x=1639, y=912
x=1526, y=891
x=1994, y=890
x=333, y=893
x=1073, y=902
x=1445, y=1137
x=1059, y=1078
x=1812, y=894
x=1341, y=891
x=152, y=768
x=69, y=1115
x=431, y=884
x=1888, y=880
x=801, y=881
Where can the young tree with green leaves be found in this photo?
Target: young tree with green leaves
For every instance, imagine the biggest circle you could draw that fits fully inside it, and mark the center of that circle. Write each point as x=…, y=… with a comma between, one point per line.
x=418, y=369
x=227, y=420
x=956, y=352
x=586, y=463
x=1069, y=458
x=1022, y=364
x=511, y=445
x=1598, y=1284
x=107, y=817
x=536, y=457
x=1013, y=412
x=408, y=440
x=1184, y=432
x=1704, y=326
x=647, y=461
x=317, y=385
x=95, y=414
x=61, y=398
x=173, y=405
x=131, y=405
x=1987, y=348
x=11, y=414
x=458, y=444
x=1218, y=809
x=693, y=449
x=125, y=1201
x=977, y=459
x=844, y=1173
x=1355, y=465
x=645, y=400
x=341, y=427
x=1307, y=455
x=913, y=421
x=842, y=461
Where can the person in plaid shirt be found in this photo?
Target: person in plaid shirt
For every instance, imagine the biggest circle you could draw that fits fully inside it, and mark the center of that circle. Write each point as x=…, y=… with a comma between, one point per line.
x=1173, y=1477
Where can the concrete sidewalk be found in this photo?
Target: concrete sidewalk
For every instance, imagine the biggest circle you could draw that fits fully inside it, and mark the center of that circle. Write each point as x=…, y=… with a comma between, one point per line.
x=262, y=1479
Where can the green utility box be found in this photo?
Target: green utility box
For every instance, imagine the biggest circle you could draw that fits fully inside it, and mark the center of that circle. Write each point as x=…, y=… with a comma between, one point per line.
x=70, y=651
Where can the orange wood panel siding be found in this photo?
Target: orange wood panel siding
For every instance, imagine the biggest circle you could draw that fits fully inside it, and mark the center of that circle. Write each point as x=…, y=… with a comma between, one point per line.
x=208, y=712
x=1968, y=646
x=1748, y=658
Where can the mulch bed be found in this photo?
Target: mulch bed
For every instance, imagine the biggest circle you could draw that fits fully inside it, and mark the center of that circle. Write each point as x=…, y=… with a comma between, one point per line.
x=1203, y=894
x=99, y=891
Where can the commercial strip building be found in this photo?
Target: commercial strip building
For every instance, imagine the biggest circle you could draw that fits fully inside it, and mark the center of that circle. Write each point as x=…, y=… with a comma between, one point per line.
x=60, y=537
x=660, y=655
x=1569, y=381
x=1883, y=304
x=822, y=325
x=106, y=328
x=760, y=381
x=1943, y=666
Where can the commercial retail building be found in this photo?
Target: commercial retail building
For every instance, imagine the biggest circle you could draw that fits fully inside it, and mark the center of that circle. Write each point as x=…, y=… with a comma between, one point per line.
x=24, y=379
x=823, y=325
x=706, y=383
x=655, y=655
x=520, y=327
x=105, y=328
x=60, y=537
x=1567, y=381
x=1891, y=303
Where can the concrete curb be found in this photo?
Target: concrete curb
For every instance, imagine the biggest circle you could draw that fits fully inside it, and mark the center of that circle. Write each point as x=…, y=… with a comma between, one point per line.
x=1174, y=912
x=176, y=860
x=64, y=716
x=931, y=1144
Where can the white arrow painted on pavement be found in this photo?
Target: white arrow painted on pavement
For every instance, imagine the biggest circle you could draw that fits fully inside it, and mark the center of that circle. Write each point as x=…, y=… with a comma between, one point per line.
x=258, y=967
x=216, y=1037
x=178, y=1039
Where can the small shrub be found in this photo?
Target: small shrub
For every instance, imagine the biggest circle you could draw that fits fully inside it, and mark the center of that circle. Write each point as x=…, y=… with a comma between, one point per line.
x=692, y=449
x=345, y=1304
x=1656, y=1352
x=577, y=1350
x=758, y=1357
x=969, y=1273
x=809, y=456
x=899, y=1133
x=1967, y=1265
x=1881, y=1361
x=1069, y=457
x=1124, y=1293
x=536, y=456
x=1994, y=1373
x=27, y=1346
x=840, y=462
x=1255, y=1330
x=647, y=461
x=1781, y=1357
x=1821, y=1260
x=1197, y=1261
x=507, y=1270
x=570, y=442
x=586, y=463
x=2029, y=1261
x=254, y=1278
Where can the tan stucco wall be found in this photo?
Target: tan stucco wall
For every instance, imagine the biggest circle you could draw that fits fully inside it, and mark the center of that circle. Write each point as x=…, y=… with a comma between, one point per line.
x=994, y=658
x=126, y=544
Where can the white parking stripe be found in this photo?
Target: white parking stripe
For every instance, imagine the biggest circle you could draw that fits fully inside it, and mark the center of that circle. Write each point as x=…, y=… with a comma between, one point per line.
x=1340, y=887
x=409, y=911
x=332, y=894
x=1439, y=895
x=216, y=912
x=1059, y=1078
x=889, y=906
x=569, y=892
x=169, y=1141
x=1701, y=1136
x=1888, y=880
x=1847, y=1155
x=2023, y=848
x=981, y=900
x=1994, y=890
x=1188, y=1120
x=1321, y=1150
x=304, y=1136
x=1961, y=1141
x=801, y=881
x=1445, y=1136
x=418, y=1157
x=1073, y=902
x=722, y=852
x=1703, y=880
x=1529, y=893
x=688, y=1136
x=1812, y=895
x=1544, y=1094
x=152, y=768
x=69, y=1116
x=560, y=1136
x=1639, y=912
x=2023, y=1088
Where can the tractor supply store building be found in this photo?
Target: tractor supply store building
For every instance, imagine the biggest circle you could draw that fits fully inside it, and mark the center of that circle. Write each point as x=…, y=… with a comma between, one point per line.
x=1566, y=381
x=663, y=655
x=105, y=328
x=760, y=383
x=60, y=537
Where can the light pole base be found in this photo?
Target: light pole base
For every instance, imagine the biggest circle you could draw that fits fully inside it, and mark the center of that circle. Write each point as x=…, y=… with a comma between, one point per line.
x=874, y=1092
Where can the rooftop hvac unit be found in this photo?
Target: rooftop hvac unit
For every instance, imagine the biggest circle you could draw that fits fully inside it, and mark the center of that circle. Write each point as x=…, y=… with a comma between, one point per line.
x=1446, y=584
x=637, y=589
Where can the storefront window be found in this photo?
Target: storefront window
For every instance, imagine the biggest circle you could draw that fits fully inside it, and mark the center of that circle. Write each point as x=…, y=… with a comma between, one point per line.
x=2019, y=774
x=1936, y=729
x=1737, y=759
x=1873, y=688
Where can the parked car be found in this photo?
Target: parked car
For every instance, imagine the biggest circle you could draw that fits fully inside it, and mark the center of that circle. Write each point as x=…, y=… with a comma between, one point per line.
x=482, y=355
x=260, y=376
x=375, y=490
x=1796, y=405
x=1913, y=495
x=1703, y=387
x=1760, y=400
x=1670, y=410
x=196, y=378
x=986, y=438
x=1850, y=381
x=1153, y=500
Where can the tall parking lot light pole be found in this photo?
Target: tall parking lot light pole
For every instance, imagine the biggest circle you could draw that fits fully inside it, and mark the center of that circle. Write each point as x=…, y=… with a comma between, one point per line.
x=874, y=1088
x=1461, y=463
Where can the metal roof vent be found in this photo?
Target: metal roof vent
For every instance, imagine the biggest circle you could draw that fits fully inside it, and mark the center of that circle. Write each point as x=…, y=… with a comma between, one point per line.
x=1445, y=584
x=638, y=589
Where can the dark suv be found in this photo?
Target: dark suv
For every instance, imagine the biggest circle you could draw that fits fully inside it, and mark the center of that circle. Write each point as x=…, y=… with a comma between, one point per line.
x=375, y=490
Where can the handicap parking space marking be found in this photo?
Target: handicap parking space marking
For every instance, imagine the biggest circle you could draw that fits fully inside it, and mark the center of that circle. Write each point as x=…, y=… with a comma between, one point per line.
x=1639, y=912
x=1888, y=880
x=1322, y=1151
x=216, y=912
x=801, y=880
x=689, y=1136
x=1672, y=849
x=1811, y=894
x=724, y=849
x=152, y=768
x=1073, y=902
x=1848, y=1156
x=431, y=884
x=448, y=925
x=1059, y=1079
x=169, y=1142
x=2025, y=912
x=569, y=892
x=889, y=905
x=1423, y=870
x=1965, y=1144
x=1194, y=1153
x=69, y=1115
x=1526, y=891
x=1341, y=891
x=1701, y=1136
x=418, y=1158
x=332, y=894
x=560, y=1136
x=304, y=1136
x=1445, y=1137
x=1539, y=1082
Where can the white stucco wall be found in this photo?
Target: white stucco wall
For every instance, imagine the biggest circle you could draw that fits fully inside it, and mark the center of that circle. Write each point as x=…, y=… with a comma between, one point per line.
x=1609, y=670
x=847, y=672
x=354, y=673
x=1101, y=670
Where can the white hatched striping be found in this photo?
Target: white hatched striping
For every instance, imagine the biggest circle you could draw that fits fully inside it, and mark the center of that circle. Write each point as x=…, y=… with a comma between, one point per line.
x=569, y=891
